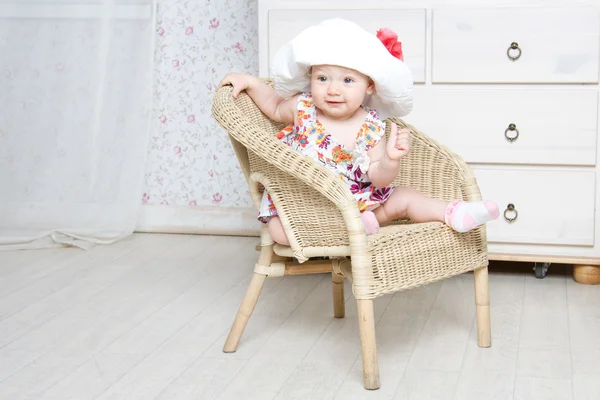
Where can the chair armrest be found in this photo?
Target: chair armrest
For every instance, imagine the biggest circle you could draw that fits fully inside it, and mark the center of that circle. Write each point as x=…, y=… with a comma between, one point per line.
x=266, y=146
x=293, y=180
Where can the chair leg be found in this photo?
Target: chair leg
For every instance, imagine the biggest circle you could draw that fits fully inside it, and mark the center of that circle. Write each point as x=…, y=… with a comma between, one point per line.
x=337, y=285
x=244, y=313
x=249, y=302
x=482, y=301
x=366, y=325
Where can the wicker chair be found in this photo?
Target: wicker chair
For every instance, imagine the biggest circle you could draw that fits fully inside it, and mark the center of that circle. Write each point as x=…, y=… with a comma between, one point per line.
x=321, y=220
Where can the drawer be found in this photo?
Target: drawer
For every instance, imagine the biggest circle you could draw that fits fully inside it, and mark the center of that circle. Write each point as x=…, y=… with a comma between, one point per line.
x=551, y=126
x=556, y=44
x=554, y=206
x=284, y=25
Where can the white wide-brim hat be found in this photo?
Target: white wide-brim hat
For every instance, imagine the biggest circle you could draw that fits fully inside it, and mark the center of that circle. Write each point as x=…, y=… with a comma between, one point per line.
x=346, y=44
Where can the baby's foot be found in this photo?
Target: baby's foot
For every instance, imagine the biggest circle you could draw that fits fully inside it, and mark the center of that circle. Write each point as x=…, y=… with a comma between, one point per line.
x=370, y=222
x=464, y=216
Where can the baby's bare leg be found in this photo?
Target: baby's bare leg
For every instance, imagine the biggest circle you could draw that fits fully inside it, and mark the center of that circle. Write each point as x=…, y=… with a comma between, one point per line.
x=462, y=216
x=406, y=202
x=276, y=231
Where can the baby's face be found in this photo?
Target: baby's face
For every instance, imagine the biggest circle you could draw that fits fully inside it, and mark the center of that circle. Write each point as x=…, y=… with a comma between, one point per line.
x=337, y=91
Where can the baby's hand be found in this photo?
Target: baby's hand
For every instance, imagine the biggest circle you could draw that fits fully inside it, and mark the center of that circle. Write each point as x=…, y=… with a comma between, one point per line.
x=238, y=81
x=398, y=145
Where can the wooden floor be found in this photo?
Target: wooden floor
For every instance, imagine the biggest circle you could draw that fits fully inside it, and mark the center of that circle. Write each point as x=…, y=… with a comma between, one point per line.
x=146, y=318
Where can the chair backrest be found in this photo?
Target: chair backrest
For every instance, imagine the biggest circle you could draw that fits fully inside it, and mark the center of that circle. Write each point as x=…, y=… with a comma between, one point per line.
x=306, y=210
x=433, y=169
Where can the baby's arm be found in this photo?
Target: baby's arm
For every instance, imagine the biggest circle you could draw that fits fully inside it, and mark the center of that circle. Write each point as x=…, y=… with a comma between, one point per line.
x=270, y=103
x=385, y=157
x=382, y=171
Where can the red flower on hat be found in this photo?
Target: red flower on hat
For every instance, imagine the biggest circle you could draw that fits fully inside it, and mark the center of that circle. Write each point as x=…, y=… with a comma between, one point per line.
x=390, y=40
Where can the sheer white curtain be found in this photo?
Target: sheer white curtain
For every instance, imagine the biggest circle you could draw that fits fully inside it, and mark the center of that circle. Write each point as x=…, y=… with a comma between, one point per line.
x=75, y=109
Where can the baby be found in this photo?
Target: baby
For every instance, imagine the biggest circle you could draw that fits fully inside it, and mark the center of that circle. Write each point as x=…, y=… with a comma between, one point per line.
x=332, y=122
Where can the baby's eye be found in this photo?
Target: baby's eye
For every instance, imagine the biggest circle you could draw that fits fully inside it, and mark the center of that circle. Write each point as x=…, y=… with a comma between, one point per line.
x=322, y=78
x=348, y=80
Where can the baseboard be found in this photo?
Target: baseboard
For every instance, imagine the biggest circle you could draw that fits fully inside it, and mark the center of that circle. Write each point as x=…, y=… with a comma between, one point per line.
x=198, y=220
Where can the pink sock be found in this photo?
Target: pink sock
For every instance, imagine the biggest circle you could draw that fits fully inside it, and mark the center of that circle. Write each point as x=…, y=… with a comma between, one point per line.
x=464, y=216
x=370, y=222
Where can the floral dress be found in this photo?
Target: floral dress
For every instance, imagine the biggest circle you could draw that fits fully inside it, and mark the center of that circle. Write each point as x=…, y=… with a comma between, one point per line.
x=309, y=137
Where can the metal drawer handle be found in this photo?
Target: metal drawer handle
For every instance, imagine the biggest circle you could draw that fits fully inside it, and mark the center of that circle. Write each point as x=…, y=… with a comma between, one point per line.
x=511, y=128
x=510, y=209
x=514, y=55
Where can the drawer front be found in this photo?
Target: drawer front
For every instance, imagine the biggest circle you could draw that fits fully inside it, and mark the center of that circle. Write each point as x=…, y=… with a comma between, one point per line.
x=284, y=25
x=551, y=126
x=553, y=206
x=558, y=44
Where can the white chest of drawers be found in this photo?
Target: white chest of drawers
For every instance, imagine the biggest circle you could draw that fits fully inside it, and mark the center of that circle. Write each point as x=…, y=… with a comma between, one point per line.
x=512, y=87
